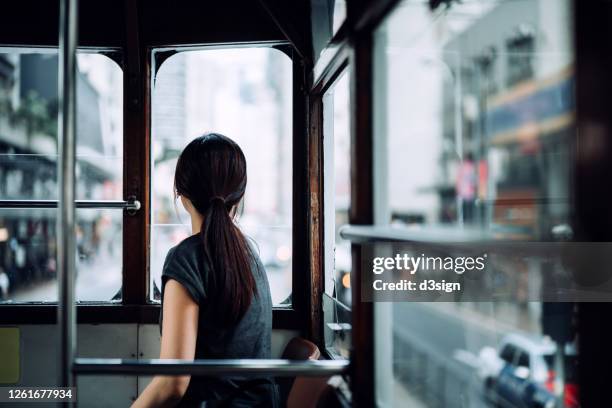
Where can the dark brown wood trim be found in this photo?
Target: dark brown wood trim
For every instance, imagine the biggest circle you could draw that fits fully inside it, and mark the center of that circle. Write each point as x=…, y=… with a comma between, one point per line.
x=286, y=319
x=301, y=289
x=341, y=34
x=164, y=23
x=592, y=195
x=362, y=200
x=336, y=66
x=26, y=314
x=593, y=148
x=136, y=153
x=278, y=14
x=315, y=165
x=87, y=314
x=361, y=212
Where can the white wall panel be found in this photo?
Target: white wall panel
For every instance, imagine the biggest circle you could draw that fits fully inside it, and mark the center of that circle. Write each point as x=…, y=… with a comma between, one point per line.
x=39, y=358
x=107, y=341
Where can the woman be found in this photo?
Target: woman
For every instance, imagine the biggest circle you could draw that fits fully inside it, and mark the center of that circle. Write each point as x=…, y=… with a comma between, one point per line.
x=215, y=295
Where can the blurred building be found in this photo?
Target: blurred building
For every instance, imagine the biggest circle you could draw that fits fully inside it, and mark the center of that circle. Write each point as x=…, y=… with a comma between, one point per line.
x=508, y=124
x=198, y=92
x=245, y=94
x=512, y=87
x=169, y=107
x=28, y=153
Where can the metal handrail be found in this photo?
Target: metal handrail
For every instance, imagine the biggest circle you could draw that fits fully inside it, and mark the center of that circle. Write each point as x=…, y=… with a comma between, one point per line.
x=361, y=234
x=236, y=367
x=66, y=215
x=131, y=205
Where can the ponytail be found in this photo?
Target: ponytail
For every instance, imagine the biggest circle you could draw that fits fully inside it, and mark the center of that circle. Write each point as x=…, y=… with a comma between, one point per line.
x=231, y=282
x=211, y=173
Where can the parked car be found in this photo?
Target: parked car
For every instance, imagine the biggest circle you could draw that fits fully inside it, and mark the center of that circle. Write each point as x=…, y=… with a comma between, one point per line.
x=521, y=373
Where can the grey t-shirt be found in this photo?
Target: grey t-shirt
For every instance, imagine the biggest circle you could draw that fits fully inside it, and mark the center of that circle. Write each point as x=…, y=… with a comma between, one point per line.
x=250, y=338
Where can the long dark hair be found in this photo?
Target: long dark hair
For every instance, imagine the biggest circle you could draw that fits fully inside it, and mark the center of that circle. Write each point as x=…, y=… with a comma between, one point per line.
x=211, y=173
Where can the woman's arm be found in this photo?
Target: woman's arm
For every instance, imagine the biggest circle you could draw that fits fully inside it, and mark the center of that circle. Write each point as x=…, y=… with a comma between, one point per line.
x=179, y=334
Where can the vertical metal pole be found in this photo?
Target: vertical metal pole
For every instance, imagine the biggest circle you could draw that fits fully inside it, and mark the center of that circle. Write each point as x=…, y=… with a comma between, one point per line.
x=66, y=182
x=384, y=353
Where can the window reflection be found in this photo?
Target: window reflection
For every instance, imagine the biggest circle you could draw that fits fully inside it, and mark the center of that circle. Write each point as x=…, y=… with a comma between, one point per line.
x=28, y=171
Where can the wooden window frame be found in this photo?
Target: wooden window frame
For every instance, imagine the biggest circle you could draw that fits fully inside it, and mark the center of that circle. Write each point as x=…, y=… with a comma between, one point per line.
x=591, y=216
x=351, y=49
x=135, y=306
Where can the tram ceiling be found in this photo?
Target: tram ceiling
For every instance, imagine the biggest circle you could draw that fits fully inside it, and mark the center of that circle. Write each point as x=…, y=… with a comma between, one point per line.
x=161, y=23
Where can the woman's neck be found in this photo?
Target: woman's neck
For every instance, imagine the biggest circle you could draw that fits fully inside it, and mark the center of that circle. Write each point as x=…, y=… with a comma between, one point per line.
x=196, y=223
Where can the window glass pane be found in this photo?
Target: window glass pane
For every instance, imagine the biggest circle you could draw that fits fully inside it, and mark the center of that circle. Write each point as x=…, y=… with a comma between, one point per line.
x=27, y=250
x=28, y=126
x=28, y=171
x=327, y=16
x=337, y=192
x=245, y=94
x=474, y=107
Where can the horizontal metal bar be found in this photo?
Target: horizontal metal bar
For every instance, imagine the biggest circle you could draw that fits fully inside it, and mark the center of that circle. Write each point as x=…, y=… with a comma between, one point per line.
x=132, y=205
x=426, y=235
x=242, y=367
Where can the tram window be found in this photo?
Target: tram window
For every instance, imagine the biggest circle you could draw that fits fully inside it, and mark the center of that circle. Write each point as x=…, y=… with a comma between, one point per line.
x=245, y=94
x=28, y=160
x=327, y=18
x=471, y=143
x=336, y=144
